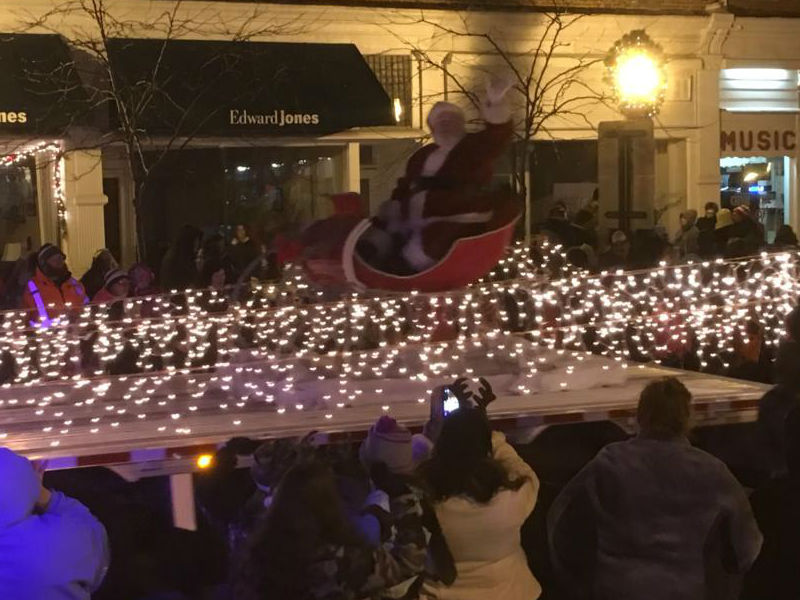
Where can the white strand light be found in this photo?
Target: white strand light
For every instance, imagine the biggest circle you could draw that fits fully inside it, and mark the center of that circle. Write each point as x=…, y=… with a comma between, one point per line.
x=534, y=316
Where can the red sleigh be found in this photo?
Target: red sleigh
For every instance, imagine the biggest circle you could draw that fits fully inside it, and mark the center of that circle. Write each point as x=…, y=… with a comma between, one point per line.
x=337, y=263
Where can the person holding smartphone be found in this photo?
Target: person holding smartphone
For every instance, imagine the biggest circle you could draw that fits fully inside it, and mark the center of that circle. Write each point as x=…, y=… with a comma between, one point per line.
x=481, y=492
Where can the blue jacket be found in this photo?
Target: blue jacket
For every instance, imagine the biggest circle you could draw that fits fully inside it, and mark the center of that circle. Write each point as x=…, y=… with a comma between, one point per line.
x=652, y=519
x=60, y=554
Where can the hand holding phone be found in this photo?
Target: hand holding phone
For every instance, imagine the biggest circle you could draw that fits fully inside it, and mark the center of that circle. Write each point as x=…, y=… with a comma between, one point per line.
x=450, y=401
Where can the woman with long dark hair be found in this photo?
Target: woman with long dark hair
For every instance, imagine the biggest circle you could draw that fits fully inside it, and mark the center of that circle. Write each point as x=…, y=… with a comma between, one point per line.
x=307, y=549
x=482, y=492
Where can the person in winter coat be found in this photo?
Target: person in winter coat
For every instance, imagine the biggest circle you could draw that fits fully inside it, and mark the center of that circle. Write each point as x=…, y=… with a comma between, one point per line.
x=653, y=517
x=785, y=238
x=117, y=286
x=52, y=286
x=723, y=230
x=94, y=279
x=747, y=228
x=777, y=403
x=51, y=547
x=243, y=250
x=143, y=280
x=391, y=446
x=179, y=268
x=709, y=220
x=616, y=257
x=307, y=549
x=776, y=505
x=686, y=241
x=482, y=492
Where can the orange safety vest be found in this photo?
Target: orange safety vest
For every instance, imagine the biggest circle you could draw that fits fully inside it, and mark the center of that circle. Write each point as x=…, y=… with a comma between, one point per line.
x=48, y=299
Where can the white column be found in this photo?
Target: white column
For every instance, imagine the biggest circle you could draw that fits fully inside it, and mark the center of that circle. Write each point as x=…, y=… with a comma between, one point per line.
x=181, y=489
x=703, y=152
x=351, y=176
x=84, y=200
x=46, y=165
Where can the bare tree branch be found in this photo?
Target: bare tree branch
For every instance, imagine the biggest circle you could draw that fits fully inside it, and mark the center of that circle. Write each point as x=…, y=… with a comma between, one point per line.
x=544, y=89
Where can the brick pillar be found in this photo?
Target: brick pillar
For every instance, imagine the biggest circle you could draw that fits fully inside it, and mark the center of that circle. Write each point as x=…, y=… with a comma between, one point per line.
x=84, y=200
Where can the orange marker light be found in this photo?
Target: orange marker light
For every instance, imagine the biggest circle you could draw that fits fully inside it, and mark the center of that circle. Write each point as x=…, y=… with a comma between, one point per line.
x=204, y=461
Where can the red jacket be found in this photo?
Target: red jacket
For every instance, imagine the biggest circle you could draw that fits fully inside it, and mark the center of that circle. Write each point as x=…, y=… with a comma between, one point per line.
x=104, y=296
x=469, y=166
x=42, y=294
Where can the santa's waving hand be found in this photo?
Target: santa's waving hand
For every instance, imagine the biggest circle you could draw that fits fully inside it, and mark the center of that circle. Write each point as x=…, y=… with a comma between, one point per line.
x=441, y=197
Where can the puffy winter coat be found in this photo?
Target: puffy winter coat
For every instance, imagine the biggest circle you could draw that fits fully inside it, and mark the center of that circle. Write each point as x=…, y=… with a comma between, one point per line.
x=484, y=539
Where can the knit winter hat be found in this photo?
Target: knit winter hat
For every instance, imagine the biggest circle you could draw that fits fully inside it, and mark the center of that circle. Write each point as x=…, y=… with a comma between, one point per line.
x=19, y=487
x=46, y=252
x=441, y=108
x=390, y=443
x=113, y=276
x=724, y=218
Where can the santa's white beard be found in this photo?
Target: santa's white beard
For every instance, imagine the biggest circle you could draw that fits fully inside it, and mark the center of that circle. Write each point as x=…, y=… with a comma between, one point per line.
x=447, y=141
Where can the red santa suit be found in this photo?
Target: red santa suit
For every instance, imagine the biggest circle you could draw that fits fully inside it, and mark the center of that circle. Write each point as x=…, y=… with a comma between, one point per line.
x=441, y=197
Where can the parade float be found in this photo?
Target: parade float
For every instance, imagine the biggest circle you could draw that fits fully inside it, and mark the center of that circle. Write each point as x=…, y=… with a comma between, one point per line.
x=165, y=376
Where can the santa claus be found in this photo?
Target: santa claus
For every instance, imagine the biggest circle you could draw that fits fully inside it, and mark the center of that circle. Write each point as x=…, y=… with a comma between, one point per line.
x=442, y=197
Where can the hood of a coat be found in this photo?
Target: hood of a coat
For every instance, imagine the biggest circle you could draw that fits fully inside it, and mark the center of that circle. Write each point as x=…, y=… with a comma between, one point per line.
x=691, y=218
x=19, y=488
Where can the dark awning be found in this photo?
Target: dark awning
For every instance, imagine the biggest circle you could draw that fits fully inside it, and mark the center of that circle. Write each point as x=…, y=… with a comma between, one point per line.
x=40, y=90
x=210, y=88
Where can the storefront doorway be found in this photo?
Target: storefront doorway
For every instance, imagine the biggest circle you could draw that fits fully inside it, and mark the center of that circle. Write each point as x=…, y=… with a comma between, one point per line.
x=760, y=183
x=758, y=167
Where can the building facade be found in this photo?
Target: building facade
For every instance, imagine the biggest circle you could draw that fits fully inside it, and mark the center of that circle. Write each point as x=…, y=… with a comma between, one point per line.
x=728, y=130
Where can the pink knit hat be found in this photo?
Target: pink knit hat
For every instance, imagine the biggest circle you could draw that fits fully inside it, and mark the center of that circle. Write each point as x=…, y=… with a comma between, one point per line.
x=390, y=443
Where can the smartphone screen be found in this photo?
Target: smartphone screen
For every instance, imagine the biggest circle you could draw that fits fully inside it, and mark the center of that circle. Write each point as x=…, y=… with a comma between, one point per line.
x=450, y=401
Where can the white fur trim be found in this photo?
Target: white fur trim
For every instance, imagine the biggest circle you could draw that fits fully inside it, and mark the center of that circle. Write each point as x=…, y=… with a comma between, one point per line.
x=495, y=113
x=464, y=218
x=378, y=498
x=349, y=251
x=416, y=206
x=380, y=239
x=415, y=255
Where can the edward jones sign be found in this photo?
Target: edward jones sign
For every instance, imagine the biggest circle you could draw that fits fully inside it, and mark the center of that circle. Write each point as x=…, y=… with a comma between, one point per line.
x=757, y=135
x=277, y=118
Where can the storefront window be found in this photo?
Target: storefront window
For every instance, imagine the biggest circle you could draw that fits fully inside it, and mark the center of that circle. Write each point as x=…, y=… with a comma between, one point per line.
x=563, y=172
x=19, y=223
x=270, y=190
x=761, y=184
x=274, y=189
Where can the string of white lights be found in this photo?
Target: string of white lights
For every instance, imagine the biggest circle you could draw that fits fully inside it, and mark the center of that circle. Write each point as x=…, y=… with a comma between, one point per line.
x=53, y=153
x=288, y=348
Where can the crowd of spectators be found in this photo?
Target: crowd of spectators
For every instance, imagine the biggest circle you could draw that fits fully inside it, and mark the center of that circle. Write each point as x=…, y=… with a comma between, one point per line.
x=455, y=512
x=191, y=262
x=719, y=233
